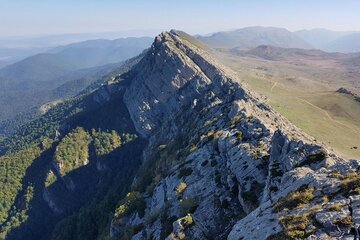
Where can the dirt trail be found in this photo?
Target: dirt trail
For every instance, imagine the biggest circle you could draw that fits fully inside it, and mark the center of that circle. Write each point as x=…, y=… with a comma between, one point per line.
x=275, y=83
x=328, y=115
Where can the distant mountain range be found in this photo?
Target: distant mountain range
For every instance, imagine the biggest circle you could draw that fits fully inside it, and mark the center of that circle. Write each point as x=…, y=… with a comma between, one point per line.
x=34, y=80
x=254, y=36
x=332, y=41
x=348, y=43
x=250, y=37
x=59, y=62
x=12, y=55
x=16, y=48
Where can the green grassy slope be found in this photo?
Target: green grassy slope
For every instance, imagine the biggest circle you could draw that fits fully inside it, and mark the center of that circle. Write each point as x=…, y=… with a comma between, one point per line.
x=307, y=98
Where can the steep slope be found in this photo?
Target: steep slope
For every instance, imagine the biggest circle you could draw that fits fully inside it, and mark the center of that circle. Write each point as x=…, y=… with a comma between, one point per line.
x=254, y=36
x=211, y=161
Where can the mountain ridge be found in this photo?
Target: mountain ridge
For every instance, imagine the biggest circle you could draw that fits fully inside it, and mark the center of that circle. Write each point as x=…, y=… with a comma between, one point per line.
x=285, y=134
x=211, y=160
x=253, y=36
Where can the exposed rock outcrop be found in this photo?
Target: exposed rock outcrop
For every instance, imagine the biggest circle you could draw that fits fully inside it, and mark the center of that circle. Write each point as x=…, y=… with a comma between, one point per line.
x=224, y=164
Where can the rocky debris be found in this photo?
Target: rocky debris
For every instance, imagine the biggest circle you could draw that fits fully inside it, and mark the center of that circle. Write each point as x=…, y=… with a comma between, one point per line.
x=224, y=158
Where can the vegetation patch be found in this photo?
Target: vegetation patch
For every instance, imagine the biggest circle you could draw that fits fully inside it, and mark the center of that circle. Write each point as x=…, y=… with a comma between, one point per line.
x=73, y=150
x=181, y=188
x=258, y=152
x=344, y=222
x=335, y=207
x=350, y=183
x=159, y=164
x=209, y=135
x=133, y=201
x=314, y=158
x=50, y=178
x=187, y=221
x=296, y=226
x=105, y=142
x=12, y=171
x=303, y=195
x=234, y=121
x=239, y=135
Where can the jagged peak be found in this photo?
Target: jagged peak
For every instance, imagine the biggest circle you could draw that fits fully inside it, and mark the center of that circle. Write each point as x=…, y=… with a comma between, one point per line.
x=180, y=43
x=177, y=71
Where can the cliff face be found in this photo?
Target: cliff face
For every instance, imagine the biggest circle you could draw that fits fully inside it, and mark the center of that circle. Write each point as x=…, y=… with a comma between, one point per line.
x=220, y=163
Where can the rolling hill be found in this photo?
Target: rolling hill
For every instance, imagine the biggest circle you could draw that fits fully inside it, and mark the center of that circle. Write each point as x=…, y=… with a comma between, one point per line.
x=302, y=85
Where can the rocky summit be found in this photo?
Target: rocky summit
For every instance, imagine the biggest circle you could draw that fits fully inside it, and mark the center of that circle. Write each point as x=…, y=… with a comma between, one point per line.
x=194, y=154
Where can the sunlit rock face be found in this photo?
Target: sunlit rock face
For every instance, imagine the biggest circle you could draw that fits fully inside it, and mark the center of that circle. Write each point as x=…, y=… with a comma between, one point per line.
x=229, y=167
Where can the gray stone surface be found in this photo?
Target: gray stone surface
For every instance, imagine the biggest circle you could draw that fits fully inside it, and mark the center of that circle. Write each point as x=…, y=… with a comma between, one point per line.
x=245, y=158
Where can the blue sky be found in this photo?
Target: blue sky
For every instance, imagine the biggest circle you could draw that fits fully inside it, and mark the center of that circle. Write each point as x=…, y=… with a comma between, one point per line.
x=32, y=17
